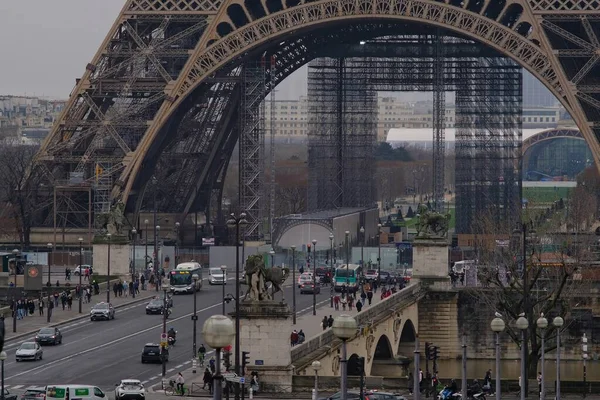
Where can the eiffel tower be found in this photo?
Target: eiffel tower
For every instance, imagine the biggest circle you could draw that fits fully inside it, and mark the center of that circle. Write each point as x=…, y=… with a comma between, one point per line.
x=177, y=83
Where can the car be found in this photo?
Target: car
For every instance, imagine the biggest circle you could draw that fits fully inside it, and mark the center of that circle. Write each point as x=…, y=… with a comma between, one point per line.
x=34, y=393
x=216, y=276
x=130, y=389
x=385, y=278
x=49, y=336
x=102, y=311
x=8, y=396
x=306, y=277
x=80, y=269
x=324, y=274
x=29, y=351
x=155, y=306
x=152, y=353
x=310, y=288
x=371, y=275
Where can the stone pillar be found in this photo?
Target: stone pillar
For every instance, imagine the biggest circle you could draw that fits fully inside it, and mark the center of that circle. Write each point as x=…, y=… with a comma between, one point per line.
x=265, y=329
x=431, y=262
x=119, y=259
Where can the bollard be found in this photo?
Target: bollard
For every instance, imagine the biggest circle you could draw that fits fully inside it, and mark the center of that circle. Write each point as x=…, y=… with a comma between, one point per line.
x=314, y=395
x=194, y=364
x=250, y=392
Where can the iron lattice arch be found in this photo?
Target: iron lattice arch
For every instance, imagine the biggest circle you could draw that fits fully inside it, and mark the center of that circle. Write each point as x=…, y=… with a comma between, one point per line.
x=160, y=56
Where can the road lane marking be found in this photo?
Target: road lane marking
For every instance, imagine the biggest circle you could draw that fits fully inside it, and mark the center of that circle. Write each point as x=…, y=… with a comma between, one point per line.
x=105, y=345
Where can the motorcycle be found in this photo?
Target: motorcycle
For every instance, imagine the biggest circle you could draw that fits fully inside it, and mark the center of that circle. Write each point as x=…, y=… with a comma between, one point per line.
x=171, y=340
x=446, y=394
x=477, y=396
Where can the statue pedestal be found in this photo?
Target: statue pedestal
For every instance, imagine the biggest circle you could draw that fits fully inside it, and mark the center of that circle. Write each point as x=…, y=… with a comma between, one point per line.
x=265, y=328
x=431, y=262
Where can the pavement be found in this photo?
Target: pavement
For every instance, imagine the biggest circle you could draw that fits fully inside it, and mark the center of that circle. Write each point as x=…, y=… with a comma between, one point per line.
x=101, y=353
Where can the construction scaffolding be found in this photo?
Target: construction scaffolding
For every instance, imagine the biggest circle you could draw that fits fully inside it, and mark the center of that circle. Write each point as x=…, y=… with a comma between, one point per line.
x=488, y=140
x=342, y=129
x=439, y=124
x=252, y=148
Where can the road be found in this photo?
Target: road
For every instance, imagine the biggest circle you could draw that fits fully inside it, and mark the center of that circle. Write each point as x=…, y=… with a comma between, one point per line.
x=101, y=353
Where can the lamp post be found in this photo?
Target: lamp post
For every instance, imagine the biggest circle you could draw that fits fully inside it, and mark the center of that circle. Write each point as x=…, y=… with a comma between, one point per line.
x=347, y=243
x=237, y=222
x=542, y=324
x=362, y=252
x=109, y=236
x=177, y=225
x=314, y=243
x=146, y=245
x=48, y=286
x=134, y=233
x=293, y=284
x=498, y=326
x=218, y=332
x=156, y=272
x=316, y=366
x=378, y=255
x=14, y=311
x=463, y=384
x=3, y=357
x=522, y=324
x=331, y=247
x=164, y=331
x=558, y=322
x=224, y=271
x=195, y=278
x=272, y=254
x=344, y=327
x=80, y=273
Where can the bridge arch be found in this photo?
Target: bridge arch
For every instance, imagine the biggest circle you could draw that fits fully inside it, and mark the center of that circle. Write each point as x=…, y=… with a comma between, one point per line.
x=354, y=365
x=504, y=32
x=408, y=337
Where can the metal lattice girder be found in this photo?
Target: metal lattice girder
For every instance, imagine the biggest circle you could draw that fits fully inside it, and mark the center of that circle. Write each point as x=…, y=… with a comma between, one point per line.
x=251, y=146
x=439, y=123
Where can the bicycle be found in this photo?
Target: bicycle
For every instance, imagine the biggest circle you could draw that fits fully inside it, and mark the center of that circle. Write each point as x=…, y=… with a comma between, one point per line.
x=172, y=389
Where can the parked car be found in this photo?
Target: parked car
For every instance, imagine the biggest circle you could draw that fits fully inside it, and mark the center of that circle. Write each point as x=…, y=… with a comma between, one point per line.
x=102, y=311
x=8, y=396
x=130, y=389
x=80, y=269
x=152, y=354
x=29, y=351
x=34, y=393
x=310, y=288
x=49, y=336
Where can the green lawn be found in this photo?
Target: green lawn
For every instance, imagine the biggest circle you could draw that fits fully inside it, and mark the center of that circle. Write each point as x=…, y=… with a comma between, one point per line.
x=545, y=194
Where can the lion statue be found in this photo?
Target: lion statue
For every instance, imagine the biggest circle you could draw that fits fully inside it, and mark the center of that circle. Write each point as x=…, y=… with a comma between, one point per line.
x=257, y=277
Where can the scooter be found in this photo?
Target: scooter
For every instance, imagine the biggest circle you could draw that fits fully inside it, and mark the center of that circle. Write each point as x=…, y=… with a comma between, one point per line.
x=171, y=340
x=477, y=396
x=445, y=394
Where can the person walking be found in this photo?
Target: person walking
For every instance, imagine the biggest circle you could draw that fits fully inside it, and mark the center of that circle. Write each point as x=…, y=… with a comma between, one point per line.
x=330, y=321
x=41, y=305
x=324, y=322
x=358, y=306
x=370, y=297
x=207, y=380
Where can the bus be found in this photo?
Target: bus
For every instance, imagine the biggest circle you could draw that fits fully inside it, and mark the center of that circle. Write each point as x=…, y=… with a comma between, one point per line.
x=347, y=275
x=181, y=280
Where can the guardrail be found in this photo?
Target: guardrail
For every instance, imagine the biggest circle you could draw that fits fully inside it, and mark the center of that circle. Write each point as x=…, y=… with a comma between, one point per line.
x=401, y=299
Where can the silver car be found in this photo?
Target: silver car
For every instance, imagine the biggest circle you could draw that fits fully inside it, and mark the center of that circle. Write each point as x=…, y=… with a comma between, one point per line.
x=29, y=351
x=102, y=311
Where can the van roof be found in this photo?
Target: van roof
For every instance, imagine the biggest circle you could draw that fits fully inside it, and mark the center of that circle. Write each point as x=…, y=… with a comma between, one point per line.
x=71, y=386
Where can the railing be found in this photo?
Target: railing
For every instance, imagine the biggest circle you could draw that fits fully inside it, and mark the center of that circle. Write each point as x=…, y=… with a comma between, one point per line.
x=399, y=300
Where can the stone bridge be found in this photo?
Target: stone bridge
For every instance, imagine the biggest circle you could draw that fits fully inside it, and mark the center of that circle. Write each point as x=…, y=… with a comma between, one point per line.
x=385, y=338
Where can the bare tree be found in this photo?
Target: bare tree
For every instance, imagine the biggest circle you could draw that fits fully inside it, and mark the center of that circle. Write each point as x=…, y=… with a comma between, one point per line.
x=18, y=193
x=550, y=279
x=582, y=207
x=290, y=200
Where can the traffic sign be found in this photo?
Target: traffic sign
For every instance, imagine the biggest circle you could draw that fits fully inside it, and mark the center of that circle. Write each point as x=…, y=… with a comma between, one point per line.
x=228, y=375
x=237, y=379
x=163, y=338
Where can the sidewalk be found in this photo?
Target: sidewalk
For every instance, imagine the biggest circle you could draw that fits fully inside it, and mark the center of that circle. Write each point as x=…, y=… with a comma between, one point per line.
x=32, y=323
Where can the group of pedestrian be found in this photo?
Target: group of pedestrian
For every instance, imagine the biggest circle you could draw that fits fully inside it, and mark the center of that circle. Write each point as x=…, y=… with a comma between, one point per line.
x=297, y=338
x=23, y=307
x=327, y=322
x=123, y=288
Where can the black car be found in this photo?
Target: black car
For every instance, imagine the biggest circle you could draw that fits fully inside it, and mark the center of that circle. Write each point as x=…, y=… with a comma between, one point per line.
x=324, y=274
x=8, y=396
x=152, y=354
x=49, y=336
x=155, y=306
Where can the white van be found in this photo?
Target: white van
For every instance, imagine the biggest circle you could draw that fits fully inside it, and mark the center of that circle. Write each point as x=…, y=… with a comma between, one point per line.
x=74, y=392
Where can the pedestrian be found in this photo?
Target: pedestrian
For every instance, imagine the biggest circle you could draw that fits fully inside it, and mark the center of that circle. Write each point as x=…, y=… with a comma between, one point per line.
x=370, y=297
x=55, y=299
x=539, y=380
x=125, y=288
x=66, y=274
x=294, y=337
x=180, y=381
x=87, y=274
x=350, y=302
x=358, y=306
x=363, y=297
x=69, y=301
x=344, y=303
x=336, y=302
x=41, y=306
x=207, y=380
x=143, y=282
x=411, y=382
x=330, y=321
x=324, y=322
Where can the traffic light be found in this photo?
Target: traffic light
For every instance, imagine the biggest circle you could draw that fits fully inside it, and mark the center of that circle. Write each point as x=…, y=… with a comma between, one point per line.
x=434, y=352
x=245, y=358
x=308, y=247
x=427, y=351
x=226, y=360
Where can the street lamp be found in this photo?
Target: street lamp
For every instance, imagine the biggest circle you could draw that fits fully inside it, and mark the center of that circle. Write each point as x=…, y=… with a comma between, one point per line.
x=134, y=233
x=80, y=273
x=584, y=353
x=542, y=324
x=3, y=357
x=224, y=271
x=14, y=313
x=522, y=324
x=272, y=253
x=498, y=326
x=218, y=332
x=156, y=231
x=237, y=222
x=378, y=255
x=558, y=322
x=195, y=278
x=344, y=327
x=177, y=225
x=293, y=284
x=164, y=333
x=362, y=250
x=109, y=236
x=314, y=243
x=48, y=286
x=316, y=366
x=146, y=245
x=347, y=235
